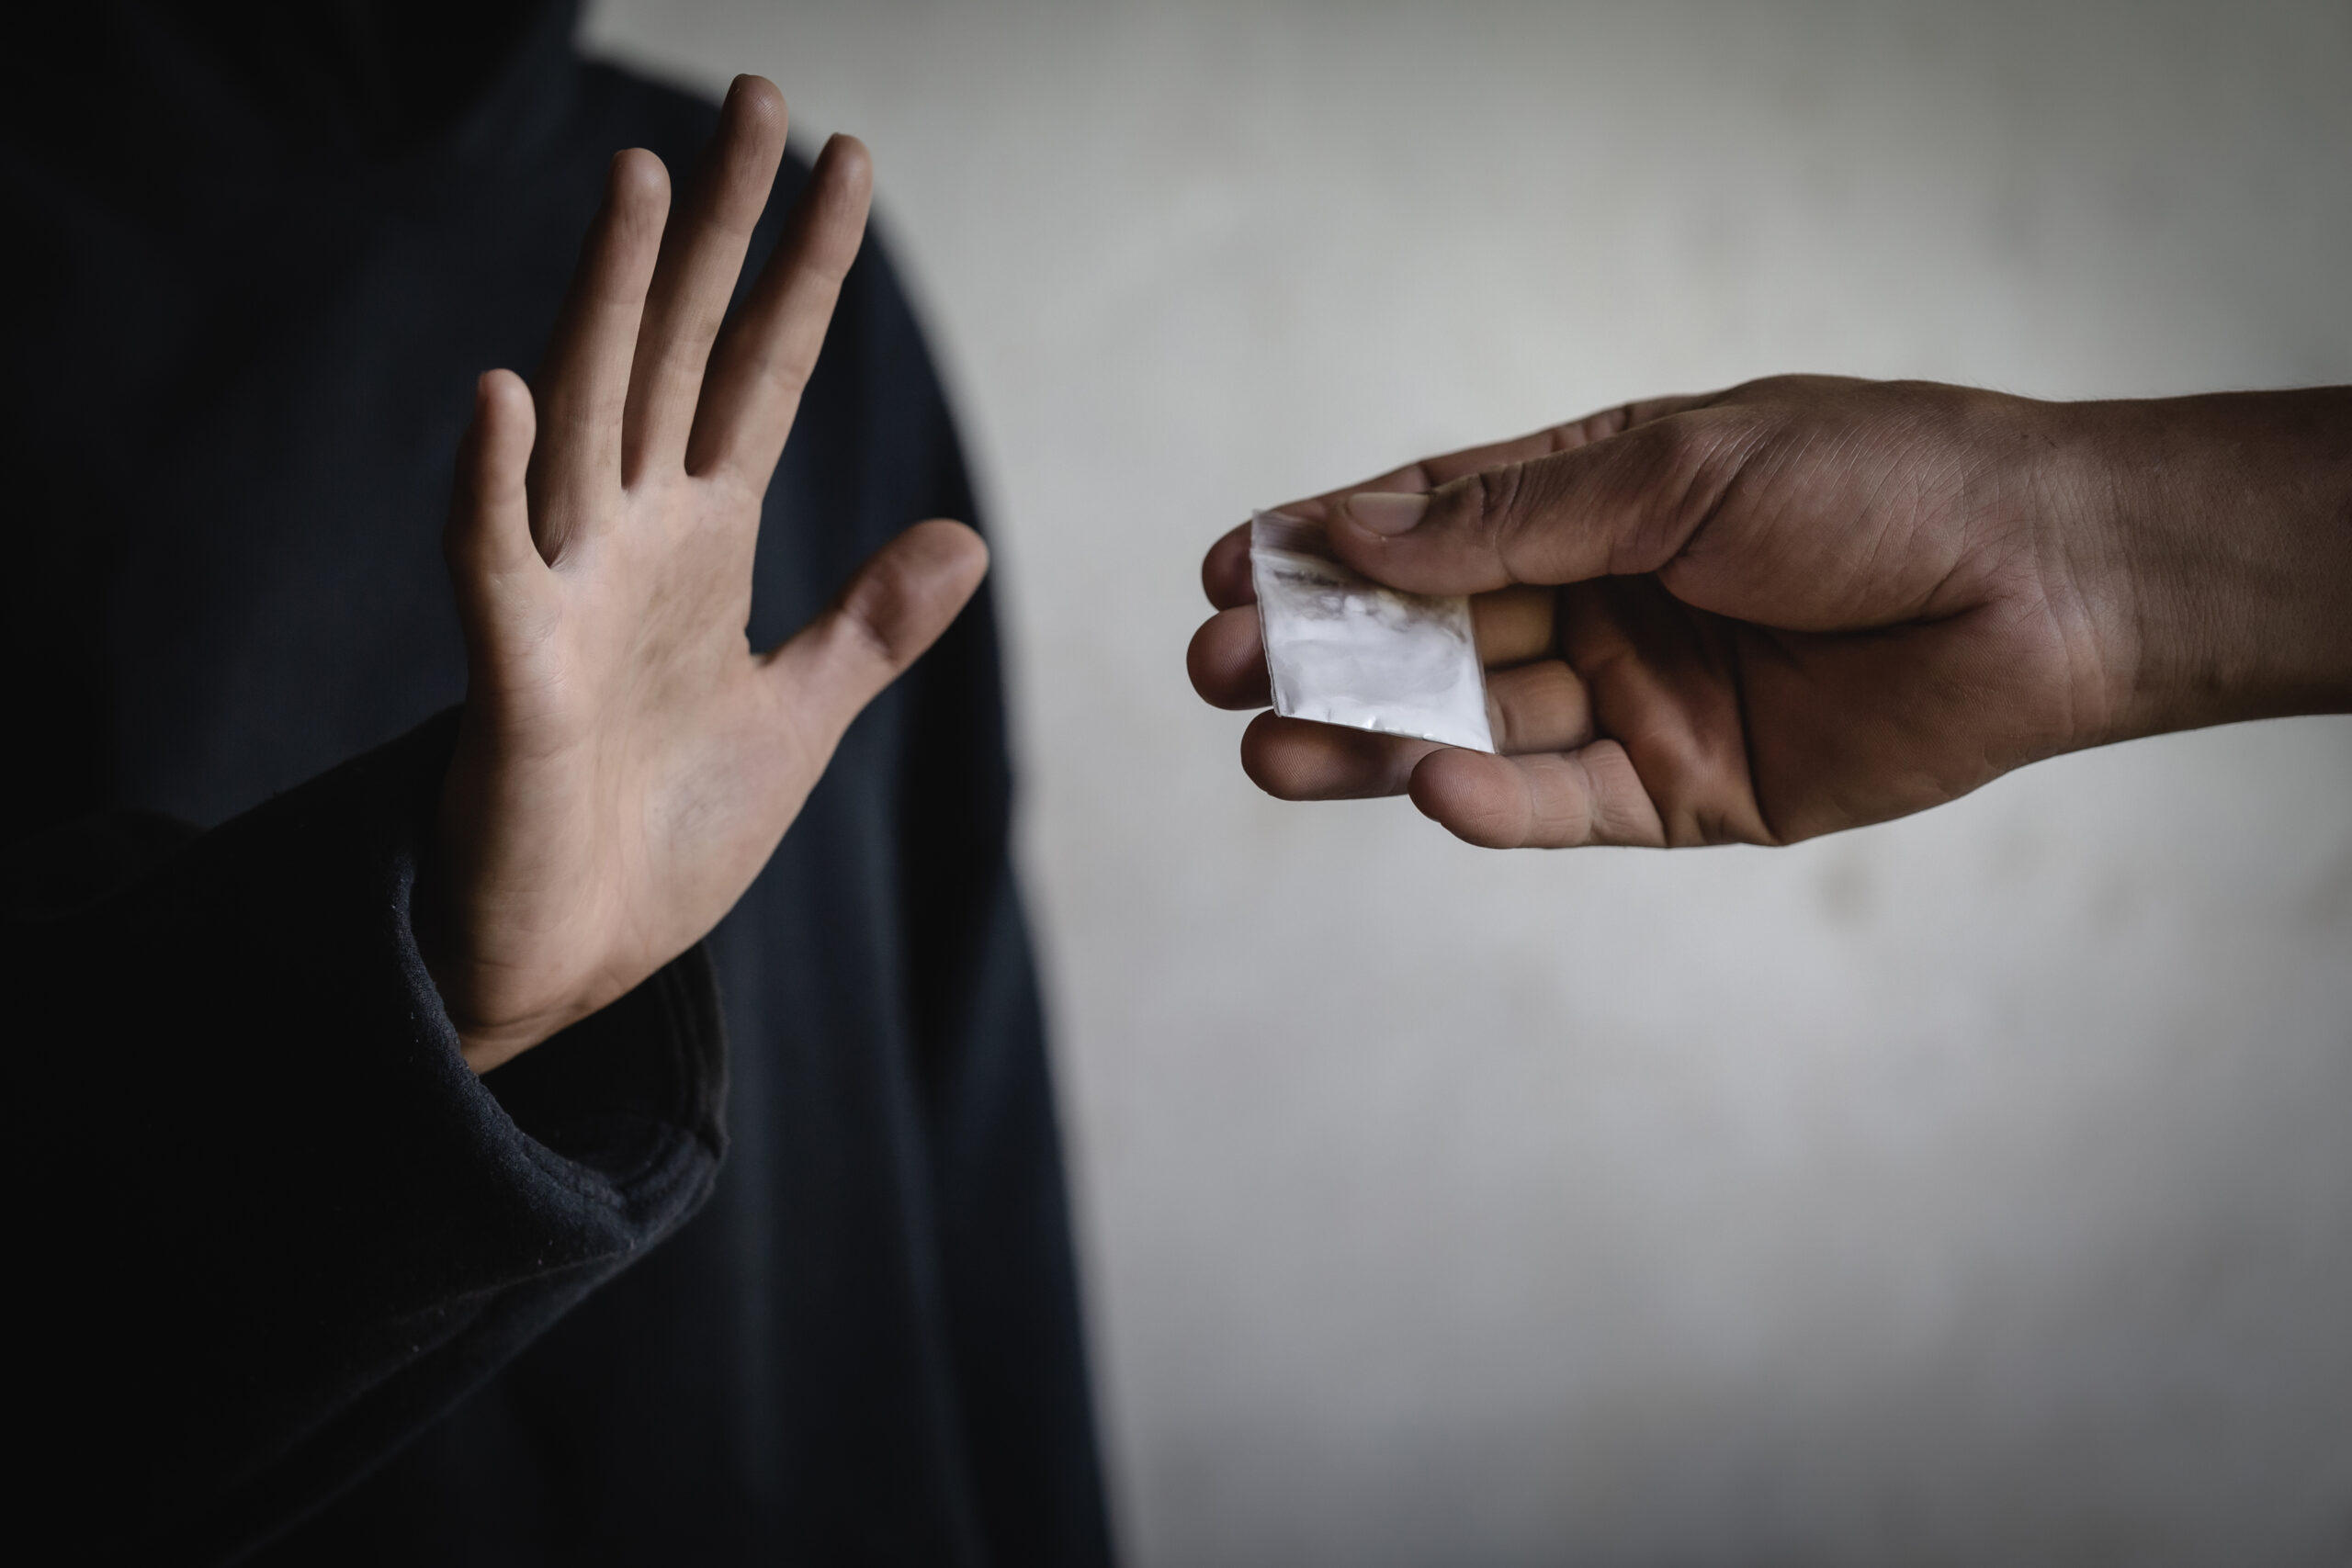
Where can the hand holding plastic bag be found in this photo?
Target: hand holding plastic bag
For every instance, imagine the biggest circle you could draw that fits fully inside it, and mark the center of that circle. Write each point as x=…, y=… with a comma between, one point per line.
x=1809, y=604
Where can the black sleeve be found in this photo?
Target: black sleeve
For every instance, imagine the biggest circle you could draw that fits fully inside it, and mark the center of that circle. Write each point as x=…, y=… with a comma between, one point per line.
x=998, y=1186
x=276, y=1224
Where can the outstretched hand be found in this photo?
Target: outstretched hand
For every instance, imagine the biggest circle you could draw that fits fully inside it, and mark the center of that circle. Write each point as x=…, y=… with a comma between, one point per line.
x=1809, y=604
x=626, y=763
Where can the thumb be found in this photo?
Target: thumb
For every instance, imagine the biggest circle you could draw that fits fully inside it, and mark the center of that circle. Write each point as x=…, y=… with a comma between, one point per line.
x=901, y=599
x=1625, y=504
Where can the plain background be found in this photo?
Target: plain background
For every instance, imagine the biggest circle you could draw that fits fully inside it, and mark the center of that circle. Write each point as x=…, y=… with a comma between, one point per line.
x=1975, y=1189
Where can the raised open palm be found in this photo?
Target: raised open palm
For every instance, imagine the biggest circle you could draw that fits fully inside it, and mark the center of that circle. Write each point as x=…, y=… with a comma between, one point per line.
x=1797, y=606
x=626, y=763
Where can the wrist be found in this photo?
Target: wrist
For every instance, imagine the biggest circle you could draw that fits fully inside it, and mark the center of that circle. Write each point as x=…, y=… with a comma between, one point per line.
x=446, y=927
x=2221, y=530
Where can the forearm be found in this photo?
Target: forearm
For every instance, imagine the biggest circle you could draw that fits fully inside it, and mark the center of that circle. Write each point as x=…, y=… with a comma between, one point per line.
x=2228, y=521
x=277, y=1224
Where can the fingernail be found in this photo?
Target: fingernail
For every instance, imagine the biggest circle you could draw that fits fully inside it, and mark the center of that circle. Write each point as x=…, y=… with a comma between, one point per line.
x=1380, y=512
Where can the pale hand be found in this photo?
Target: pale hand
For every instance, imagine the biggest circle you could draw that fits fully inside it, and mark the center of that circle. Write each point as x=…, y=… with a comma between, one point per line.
x=626, y=763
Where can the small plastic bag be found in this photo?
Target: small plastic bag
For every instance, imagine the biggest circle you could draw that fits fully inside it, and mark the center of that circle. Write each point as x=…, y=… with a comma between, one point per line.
x=1343, y=650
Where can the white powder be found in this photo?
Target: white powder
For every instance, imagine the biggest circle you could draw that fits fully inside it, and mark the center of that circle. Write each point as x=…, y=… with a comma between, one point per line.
x=1343, y=650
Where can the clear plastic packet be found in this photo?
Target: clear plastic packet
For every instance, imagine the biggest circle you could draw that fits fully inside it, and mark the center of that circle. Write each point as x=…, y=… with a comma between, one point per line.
x=1343, y=650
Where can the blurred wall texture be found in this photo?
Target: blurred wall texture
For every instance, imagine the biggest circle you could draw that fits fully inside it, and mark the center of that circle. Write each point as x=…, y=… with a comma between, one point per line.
x=1972, y=1189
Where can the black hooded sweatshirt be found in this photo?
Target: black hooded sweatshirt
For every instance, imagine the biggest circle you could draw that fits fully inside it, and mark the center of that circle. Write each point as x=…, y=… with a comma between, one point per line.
x=300, y=1288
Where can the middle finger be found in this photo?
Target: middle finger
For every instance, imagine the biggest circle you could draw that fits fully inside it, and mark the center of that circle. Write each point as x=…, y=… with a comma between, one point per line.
x=1226, y=659
x=702, y=256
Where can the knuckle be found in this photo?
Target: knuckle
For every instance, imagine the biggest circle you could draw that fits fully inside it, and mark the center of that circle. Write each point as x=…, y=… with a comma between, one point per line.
x=1677, y=450
x=1493, y=498
x=1522, y=503
x=1678, y=473
x=1495, y=511
x=866, y=628
x=877, y=612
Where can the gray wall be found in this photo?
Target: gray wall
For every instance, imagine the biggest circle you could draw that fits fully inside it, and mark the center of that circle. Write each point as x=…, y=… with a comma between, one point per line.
x=1972, y=1189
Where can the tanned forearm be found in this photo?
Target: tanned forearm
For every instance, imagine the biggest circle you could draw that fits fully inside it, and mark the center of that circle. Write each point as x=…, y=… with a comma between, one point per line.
x=2232, y=517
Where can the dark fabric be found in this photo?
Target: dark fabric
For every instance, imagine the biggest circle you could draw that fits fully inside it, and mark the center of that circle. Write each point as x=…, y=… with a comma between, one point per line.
x=312, y=1293
x=282, y=1225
